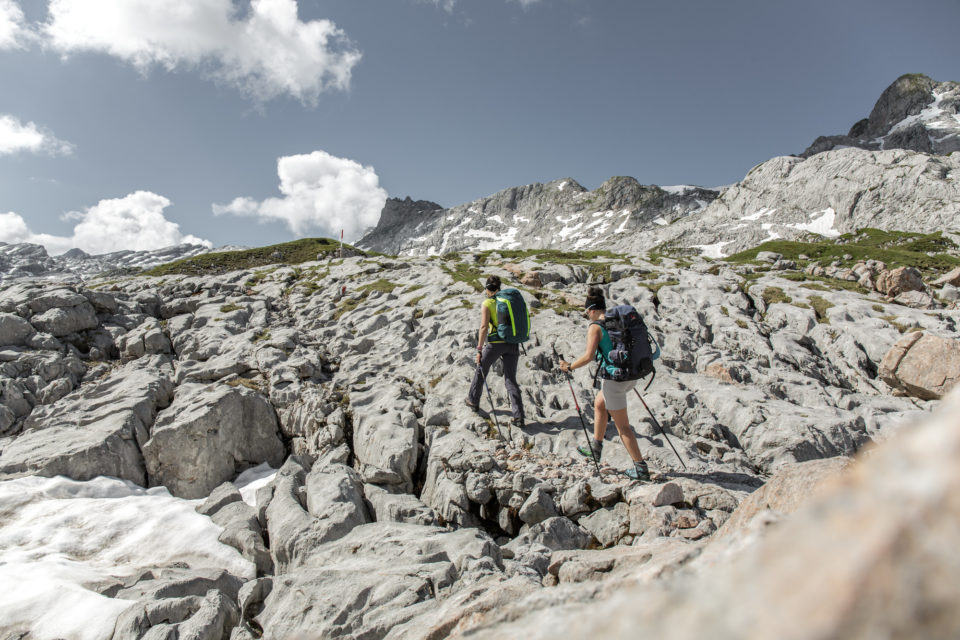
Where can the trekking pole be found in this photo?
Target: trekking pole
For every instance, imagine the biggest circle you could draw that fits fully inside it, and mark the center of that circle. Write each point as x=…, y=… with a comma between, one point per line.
x=493, y=409
x=582, y=423
x=666, y=437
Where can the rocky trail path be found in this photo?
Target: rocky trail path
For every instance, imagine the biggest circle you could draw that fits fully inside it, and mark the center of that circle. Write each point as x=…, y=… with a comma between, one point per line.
x=383, y=506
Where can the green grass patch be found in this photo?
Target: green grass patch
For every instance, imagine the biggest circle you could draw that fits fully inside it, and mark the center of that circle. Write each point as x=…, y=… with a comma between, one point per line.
x=462, y=272
x=927, y=252
x=415, y=301
x=260, y=337
x=296, y=252
x=773, y=295
x=878, y=307
x=820, y=306
x=382, y=285
x=349, y=304
x=227, y=308
x=656, y=286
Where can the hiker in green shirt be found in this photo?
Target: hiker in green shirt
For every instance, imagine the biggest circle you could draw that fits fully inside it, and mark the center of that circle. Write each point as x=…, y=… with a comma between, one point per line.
x=490, y=347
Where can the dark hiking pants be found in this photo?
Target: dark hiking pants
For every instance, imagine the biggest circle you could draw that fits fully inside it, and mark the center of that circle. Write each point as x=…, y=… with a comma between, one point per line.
x=510, y=354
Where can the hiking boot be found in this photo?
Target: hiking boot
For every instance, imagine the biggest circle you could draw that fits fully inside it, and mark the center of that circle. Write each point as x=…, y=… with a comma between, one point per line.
x=473, y=405
x=638, y=472
x=594, y=451
x=517, y=422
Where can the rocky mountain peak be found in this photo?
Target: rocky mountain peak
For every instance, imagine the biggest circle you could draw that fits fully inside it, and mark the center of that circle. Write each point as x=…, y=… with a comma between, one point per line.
x=915, y=113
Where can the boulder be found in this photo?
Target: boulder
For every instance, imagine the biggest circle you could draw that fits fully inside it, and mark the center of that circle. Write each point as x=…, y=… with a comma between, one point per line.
x=307, y=511
x=917, y=300
x=62, y=321
x=397, y=507
x=96, y=431
x=922, y=365
x=554, y=533
x=386, y=436
x=790, y=487
x=225, y=429
x=538, y=507
x=952, y=278
x=14, y=330
x=899, y=280
x=769, y=256
x=376, y=578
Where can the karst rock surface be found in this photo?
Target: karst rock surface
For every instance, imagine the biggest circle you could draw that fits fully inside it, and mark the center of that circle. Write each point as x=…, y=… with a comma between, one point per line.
x=396, y=506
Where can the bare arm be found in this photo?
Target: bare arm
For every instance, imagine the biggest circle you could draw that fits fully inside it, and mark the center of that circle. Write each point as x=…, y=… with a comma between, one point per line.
x=484, y=326
x=593, y=341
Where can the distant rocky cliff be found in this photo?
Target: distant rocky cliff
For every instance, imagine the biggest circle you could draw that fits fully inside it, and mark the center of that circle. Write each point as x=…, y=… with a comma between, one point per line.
x=894, y=171
x=22, y=260
x=558, y=215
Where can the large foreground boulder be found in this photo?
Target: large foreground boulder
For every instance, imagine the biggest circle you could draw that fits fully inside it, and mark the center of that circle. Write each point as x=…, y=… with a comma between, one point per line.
x=922, y=365
x=95, y=431
x=377, y=577
x=208, y=435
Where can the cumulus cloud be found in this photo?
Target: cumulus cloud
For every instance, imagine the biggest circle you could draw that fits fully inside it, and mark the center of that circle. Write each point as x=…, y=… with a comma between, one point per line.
x=13, y=31
x=16, y=137
x=321, y=194
x=135, y=222
x=525, y=3
x=266, y=52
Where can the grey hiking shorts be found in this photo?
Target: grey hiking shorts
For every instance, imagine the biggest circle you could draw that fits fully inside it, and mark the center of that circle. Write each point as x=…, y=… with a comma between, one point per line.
x=615, y=393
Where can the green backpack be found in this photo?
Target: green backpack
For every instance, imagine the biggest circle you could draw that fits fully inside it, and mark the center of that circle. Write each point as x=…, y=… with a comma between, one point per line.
x=513, y=318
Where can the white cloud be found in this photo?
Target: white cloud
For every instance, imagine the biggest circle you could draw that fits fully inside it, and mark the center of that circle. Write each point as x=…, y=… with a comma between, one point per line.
x=321, y=193
x=134, y=222
x=525, y=3
x=16, y=137
x=13, y=31
x=266, y=53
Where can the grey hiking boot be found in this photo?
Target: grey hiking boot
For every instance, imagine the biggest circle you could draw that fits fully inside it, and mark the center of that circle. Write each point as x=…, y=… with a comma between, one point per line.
x=517, y=422
x=638, y=472
x=474, y=406
x=594, y=451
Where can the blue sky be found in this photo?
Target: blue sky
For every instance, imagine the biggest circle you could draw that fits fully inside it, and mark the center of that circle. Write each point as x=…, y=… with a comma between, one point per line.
x=139, y=123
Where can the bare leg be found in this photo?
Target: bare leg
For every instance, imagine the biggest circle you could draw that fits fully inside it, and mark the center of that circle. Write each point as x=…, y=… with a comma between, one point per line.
x=599, y=417
x=622, y=421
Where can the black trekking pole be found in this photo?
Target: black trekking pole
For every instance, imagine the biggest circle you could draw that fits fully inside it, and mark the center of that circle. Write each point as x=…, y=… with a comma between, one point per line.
x=582, y=423
x=666, y=437
x=493, y=409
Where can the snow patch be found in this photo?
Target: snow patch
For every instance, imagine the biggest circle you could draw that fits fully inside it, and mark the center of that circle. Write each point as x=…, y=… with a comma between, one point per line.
x=496, y=219
x=59, y=535
x=252, y=479
x=824, y=225
x=563, y=220
x=678, y=189
x=568, y=231
x=562, y=185
x=661, y=221
x=759, y=214
x=712, y=250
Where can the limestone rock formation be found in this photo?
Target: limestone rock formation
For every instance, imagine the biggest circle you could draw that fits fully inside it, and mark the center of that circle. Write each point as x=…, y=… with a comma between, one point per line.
x=925, y=366
x=398, y=510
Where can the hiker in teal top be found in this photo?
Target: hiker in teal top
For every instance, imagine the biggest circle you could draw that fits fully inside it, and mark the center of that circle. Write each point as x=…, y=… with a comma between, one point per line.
x=490, y=347
x=613, y=394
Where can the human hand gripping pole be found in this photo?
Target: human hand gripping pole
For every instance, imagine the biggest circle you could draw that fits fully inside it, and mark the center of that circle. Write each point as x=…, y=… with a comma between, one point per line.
x=579, y=413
